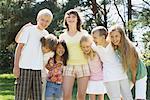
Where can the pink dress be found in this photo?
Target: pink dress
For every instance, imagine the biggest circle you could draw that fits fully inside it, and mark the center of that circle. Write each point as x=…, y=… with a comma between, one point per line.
x=96, y=68
x=95, y=84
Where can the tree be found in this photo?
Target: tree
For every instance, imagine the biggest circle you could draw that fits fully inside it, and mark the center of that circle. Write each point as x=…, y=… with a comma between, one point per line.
x=12, y=18
x=95, y=13
x=130, y=33
x=145, y=23
x=15, y=13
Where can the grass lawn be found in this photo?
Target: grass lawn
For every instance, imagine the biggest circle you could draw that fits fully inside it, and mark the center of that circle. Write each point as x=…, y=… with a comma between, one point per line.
x=6, y=87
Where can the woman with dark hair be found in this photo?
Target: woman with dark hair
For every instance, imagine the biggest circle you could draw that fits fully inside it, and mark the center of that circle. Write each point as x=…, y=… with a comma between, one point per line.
x=77, y=65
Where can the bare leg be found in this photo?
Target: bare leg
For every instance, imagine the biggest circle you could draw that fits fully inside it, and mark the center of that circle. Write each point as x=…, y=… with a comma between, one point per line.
x=68, y=82
x=82, y=86
x=92, y=97
x=101, y=97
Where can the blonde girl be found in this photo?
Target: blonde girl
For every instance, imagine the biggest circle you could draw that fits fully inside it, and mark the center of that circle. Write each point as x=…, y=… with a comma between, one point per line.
x=95, y=84
x=132, y=64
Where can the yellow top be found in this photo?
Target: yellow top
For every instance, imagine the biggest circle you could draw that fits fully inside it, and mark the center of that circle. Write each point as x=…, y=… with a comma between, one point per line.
x=76, y=56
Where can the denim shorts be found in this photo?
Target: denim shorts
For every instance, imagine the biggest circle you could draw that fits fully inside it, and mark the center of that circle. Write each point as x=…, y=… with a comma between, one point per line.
x=53, y=89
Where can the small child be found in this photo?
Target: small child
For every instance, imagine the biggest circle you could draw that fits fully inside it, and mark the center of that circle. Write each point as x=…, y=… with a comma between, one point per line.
x=49, y=43
x=29, y=58
x=95, y=84
x=114, y=76
x=54, y=66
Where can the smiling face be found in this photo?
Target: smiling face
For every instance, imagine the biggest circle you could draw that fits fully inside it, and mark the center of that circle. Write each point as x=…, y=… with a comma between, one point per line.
x=115, y=37
x=71, y=19
x=97, y=38
x=86, y=47
x=60, y=50
x=43, y=21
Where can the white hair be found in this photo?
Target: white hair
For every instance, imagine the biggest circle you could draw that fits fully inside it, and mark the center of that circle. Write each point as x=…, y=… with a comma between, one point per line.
x=45, y=12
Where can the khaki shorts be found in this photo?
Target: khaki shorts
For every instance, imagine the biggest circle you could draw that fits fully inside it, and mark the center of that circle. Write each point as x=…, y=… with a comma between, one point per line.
x=76, y=70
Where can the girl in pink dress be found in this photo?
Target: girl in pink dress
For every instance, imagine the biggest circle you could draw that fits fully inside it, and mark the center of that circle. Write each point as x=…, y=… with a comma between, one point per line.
x=95, y=84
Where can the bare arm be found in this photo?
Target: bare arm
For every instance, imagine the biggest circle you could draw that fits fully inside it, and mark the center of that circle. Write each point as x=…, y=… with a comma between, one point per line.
x=16, y=70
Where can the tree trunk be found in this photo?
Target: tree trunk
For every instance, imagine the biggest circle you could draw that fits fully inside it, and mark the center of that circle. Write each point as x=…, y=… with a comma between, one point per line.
x=130, y=33
x=105, y=14
x=94, y=7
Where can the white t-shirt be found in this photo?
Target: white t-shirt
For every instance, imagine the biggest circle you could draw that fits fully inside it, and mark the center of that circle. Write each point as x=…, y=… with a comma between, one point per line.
x=31, y=54
x=112, y=67
x=47, y=56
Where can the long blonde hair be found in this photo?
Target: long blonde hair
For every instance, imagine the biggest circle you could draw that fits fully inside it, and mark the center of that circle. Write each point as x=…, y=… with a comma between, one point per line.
x=128, y=53
x=88, y=39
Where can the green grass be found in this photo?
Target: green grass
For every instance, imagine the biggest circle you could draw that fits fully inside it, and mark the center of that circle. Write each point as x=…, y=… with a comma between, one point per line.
x=6, y=87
